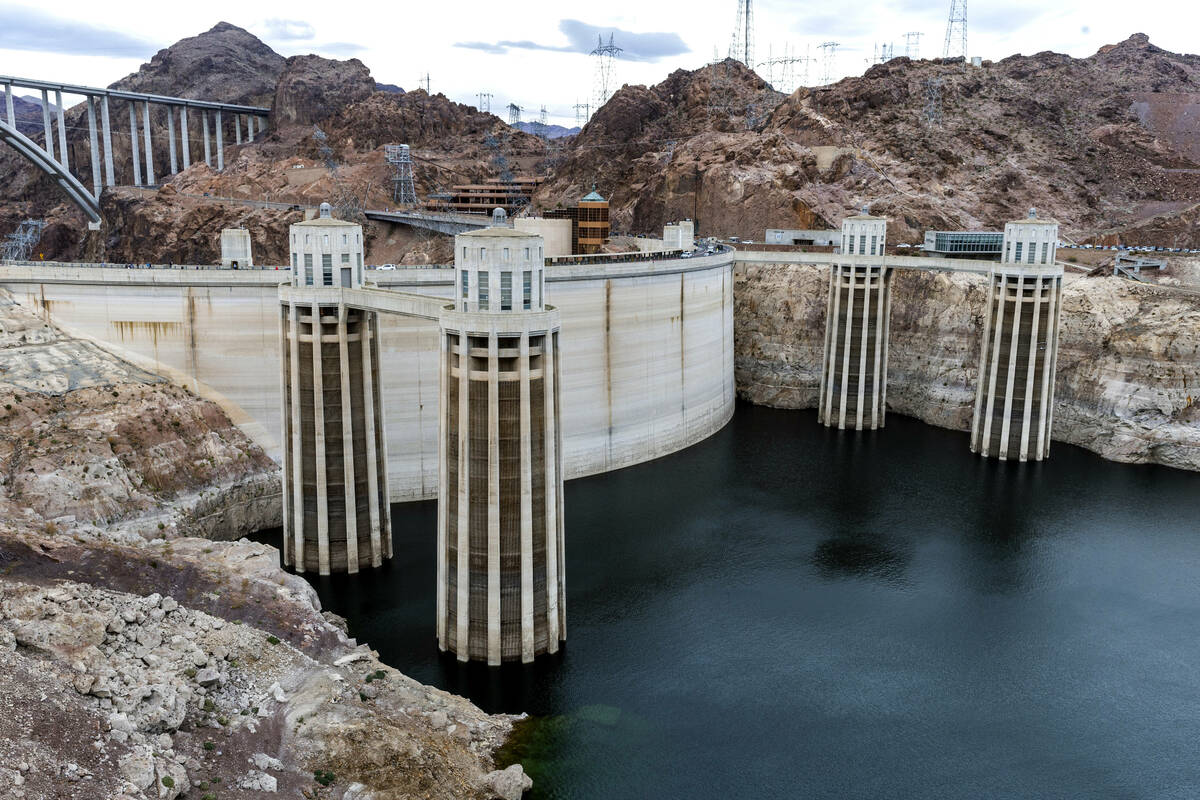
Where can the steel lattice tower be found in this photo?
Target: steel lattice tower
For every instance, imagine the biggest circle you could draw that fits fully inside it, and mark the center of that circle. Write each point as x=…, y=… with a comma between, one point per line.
x=485, y=102
x=741, y=44
x=18, y=246
x=912, y=44
x=830, y=50
x=582, y=112
x=606, y=55
x=956, y=31
x=514, y=114
x=404, y=192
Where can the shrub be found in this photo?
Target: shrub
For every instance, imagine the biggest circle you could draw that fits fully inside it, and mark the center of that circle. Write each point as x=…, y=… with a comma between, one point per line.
x=323, y=777
x=273, y=639
x=209, y=705
x=167, y=780
x=210, y=747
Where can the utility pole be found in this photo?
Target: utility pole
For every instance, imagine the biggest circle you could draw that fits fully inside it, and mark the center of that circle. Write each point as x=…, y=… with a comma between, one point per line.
x=424, y=80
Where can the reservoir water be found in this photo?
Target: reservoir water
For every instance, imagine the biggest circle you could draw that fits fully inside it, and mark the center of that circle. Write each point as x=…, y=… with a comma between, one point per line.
x=787, y=611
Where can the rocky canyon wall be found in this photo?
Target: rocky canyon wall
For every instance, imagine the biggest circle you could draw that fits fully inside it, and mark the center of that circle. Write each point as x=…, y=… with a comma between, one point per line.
x=1128, y=363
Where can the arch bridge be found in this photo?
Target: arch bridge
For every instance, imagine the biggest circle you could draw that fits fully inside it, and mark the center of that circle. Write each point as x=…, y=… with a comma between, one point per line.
x=54, y=157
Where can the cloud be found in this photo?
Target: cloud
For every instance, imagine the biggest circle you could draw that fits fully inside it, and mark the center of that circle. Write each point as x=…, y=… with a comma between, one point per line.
x=340, y=48
x=287, y=30
x=582, y=38
x=486, y=47
x=28, y=29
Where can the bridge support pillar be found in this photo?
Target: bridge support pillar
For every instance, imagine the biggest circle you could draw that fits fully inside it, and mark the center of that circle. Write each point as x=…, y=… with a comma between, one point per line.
x=220, y=143
x=853, y=392
x=149, y=148
x=184, y=137
x=46, y=129
x=62, y=131
x=500, y=573
x=106, y=128
x=8, y=105
x=94, y=143
x=171, y=138
x=133, y=144
x=207, y=146
x=1014, y=397
x=237, y=128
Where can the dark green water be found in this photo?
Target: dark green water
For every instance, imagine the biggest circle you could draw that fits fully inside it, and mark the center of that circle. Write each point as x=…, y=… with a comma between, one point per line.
x=787, y=611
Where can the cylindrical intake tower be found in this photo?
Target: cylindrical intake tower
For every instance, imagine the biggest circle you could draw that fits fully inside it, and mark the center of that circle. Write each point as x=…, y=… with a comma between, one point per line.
x=1014, y=397
x=335, y=494
x=500, y=568
x=854, y=375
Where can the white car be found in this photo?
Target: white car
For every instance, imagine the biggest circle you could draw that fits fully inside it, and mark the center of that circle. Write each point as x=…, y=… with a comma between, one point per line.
x=387, y=267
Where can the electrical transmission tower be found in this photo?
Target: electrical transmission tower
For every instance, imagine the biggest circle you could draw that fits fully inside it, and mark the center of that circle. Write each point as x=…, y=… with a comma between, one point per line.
x=786, y=64
x=933, y=103
x=542, y=127
x=485, y=102
x=741, y=44
x=345, y=202
x=606, y=55
x=424, y=80
x=18, y=245
x=514, y=114
x=912, y=44
x=830, y=52
x=956, y=31
x=404, y=192
x=582, y=113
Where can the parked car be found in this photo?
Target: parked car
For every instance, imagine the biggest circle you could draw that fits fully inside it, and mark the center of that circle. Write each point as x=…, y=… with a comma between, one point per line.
x=387, y=267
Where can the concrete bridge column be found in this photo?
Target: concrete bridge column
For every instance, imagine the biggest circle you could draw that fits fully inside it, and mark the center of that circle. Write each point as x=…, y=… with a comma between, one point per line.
x=62, y=131
x=46, y=130
x=171, y=138
x=207, y=146
x=133, y=144
x=94, y=142
x=220, y=143
x=1014, y=397
x=8, y=104
x=250, y=127
x=106, y=127
x=149, y=148
x=184, y=137
x=237, y=128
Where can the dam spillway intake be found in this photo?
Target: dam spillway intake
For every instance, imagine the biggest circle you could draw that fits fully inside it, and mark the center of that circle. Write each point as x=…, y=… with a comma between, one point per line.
x=335, y=494
x=500, y=549
x=1014, y=398
x=853, y=391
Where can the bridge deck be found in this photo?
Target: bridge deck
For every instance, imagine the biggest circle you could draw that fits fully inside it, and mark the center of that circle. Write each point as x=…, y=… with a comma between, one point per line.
x=95, y=91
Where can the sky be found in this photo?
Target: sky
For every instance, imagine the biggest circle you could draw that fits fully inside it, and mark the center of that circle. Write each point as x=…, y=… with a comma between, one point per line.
x=536, y=52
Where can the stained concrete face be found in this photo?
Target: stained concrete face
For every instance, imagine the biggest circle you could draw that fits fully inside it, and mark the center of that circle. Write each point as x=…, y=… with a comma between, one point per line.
x=235, y=248
x=854, y=376
x=500, y=568
x=335, y=488
x=1014, y=399
x=326, y=252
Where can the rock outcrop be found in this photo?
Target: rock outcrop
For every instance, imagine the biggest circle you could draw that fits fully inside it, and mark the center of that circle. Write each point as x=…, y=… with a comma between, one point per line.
x=139, y=660
x=312, y=89
x=1128, y=364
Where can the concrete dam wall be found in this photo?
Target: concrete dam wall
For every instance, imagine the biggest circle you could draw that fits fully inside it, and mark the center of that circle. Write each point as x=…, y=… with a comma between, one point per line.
x=647, y=351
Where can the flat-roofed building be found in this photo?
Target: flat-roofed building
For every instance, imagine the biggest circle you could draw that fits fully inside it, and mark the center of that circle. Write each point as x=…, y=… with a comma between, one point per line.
x=964, y=244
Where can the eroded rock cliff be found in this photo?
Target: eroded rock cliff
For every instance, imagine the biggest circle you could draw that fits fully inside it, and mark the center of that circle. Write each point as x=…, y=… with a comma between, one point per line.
x=1128, y=364
x=139, y=658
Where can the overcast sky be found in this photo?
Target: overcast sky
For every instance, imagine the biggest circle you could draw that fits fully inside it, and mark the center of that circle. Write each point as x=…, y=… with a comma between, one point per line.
x=534, y=53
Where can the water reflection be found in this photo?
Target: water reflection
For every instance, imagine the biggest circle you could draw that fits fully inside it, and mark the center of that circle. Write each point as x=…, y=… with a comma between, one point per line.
x=861, y=557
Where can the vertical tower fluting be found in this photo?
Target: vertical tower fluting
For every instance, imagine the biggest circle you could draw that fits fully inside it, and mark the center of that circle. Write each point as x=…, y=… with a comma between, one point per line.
x=500, y=568
x=853, y=390
x=1014, y=397
x=335, y=493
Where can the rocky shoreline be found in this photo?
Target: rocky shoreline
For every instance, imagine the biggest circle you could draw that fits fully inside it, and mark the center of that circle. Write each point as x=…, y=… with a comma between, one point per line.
x=1128, y=365
x=142, y=658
